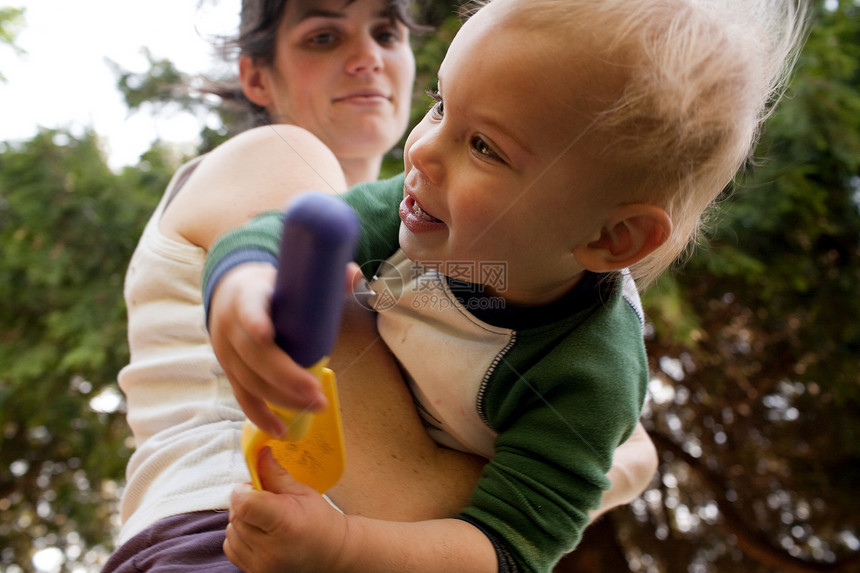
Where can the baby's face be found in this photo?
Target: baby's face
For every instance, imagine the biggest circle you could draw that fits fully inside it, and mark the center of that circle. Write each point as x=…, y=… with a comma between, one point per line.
x=495, y=171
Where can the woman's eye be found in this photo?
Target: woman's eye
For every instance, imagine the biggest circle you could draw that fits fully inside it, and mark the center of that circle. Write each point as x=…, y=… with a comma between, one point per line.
x=437, y=106
x=322, y=39
x=387, y=36
x=483, y=149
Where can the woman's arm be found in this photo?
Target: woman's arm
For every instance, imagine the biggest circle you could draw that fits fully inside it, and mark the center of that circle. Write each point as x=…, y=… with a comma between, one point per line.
x=290, y=526
x=382, y=432
x=633, y=465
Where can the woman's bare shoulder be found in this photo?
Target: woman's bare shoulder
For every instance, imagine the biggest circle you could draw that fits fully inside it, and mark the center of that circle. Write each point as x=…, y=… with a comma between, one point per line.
x=255, y=171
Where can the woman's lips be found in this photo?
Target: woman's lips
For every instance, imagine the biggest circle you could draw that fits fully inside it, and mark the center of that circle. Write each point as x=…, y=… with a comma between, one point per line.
x=363, y=98
x=415, y=218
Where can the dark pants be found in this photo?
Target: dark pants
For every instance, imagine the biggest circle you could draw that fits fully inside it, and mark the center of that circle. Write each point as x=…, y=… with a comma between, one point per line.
x=181, y=543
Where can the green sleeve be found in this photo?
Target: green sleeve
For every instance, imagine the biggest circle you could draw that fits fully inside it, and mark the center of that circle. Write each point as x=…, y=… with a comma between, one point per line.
x=377, y=207
x=262, y=233
x=560, y=416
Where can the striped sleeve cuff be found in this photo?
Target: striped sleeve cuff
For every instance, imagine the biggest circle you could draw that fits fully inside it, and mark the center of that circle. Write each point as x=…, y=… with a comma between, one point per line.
x=258, y=240
x=234, y=259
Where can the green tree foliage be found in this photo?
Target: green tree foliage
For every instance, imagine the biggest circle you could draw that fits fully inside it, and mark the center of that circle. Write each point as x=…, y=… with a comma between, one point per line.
x=163, y=88
x=68, y=226
x=10, y=24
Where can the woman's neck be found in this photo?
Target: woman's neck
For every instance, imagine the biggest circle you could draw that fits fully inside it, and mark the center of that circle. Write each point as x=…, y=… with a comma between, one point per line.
x=360, y=169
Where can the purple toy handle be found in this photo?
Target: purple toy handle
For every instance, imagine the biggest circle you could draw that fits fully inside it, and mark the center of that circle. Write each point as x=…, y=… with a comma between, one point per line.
x=320, y=234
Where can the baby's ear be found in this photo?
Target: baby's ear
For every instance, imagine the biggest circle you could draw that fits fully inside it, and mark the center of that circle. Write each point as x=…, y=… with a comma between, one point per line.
x=631, y=233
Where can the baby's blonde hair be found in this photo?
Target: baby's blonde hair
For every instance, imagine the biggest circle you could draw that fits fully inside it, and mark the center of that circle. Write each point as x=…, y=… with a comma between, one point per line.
x=699, y=78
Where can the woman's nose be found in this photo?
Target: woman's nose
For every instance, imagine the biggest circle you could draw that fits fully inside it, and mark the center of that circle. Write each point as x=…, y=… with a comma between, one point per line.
x=365, y=57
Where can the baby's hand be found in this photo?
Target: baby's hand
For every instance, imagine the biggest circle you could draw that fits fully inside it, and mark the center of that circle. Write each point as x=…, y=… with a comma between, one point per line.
x=243, y=338
x=287, y=527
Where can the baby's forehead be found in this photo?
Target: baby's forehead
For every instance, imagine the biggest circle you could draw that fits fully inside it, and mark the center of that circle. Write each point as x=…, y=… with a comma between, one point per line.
x=584, y=57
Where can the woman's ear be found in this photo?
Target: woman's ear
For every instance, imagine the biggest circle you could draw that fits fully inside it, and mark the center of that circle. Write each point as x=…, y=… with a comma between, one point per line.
x=255, y=82
x=631, y=233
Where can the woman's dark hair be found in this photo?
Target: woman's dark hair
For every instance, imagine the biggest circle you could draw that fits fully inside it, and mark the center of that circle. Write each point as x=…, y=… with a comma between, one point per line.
x=258, y=32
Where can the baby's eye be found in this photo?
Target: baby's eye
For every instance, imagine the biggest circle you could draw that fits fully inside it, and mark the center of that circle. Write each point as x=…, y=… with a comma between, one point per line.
x=437, y=106
x=483, y=149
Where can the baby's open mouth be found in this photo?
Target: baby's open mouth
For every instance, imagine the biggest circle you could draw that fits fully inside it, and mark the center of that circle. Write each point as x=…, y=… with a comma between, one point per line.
x=416, y=219
x=419, y=212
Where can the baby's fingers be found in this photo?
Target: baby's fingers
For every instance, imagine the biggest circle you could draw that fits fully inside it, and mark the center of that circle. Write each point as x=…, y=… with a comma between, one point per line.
x=258, y=412
x=239, y=545
x=269, y=373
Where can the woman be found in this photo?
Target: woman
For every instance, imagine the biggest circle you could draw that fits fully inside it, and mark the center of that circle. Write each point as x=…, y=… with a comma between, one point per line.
x=343, y=70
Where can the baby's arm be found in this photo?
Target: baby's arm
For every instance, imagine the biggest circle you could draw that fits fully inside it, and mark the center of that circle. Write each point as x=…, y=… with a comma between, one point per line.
x=243, y=338
x=291, y=527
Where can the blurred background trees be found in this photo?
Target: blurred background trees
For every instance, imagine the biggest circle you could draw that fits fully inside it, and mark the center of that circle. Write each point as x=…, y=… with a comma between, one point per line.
x=755, y=343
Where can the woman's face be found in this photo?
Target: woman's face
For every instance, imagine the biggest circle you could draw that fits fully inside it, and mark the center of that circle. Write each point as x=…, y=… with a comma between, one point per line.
x=344, y=71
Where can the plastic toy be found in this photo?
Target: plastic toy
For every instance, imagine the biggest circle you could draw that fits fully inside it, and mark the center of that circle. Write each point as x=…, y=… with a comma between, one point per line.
x=320, y=233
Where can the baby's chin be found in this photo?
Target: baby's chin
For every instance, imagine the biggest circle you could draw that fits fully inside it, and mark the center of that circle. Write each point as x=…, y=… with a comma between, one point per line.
x=422, y=249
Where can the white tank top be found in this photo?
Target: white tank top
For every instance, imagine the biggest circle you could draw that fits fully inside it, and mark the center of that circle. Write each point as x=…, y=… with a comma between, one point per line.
x=181, y=410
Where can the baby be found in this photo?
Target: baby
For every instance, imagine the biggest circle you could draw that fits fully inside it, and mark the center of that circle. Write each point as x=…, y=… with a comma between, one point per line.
x=573, y=146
